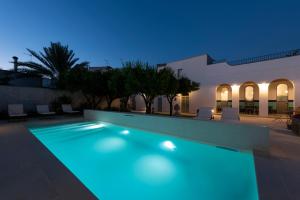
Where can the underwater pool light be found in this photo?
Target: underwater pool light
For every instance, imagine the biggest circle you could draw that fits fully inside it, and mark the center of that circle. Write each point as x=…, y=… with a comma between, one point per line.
x=169, y=145
x=94, y=126
x=125, y=132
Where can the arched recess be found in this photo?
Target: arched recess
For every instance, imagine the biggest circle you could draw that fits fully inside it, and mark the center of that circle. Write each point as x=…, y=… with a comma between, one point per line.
x=249, y=98
x=223, y=97
x=281, y=96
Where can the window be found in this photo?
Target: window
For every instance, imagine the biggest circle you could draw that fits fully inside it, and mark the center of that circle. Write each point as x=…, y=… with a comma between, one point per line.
x=282, y=90
x=249, y=93
x=224, y=94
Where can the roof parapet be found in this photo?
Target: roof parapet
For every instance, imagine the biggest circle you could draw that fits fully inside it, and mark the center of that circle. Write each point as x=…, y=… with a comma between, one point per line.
x=283, y=54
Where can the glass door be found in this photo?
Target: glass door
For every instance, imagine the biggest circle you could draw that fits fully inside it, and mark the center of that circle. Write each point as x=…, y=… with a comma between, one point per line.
x=282, y=99
x=185, y=104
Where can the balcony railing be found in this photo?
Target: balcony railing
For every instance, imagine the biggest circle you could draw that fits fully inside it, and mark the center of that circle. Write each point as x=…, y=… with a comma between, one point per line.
x=273, y=56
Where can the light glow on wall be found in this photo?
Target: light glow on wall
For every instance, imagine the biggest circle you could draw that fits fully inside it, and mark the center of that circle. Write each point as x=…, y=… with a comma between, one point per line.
x=235, y=87
x=263, y=86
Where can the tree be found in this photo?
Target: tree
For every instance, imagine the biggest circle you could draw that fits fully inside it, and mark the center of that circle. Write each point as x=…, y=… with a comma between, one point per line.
x=89, y=83
x=129, y=86
x=54, y=62
x=171, y=86
x=112, y=85
x=186, y=86
x=148, y=83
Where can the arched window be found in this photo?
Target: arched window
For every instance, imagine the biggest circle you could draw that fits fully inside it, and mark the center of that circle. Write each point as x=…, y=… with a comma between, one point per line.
x=282, y=90
x=224, y=94
x=249, y=93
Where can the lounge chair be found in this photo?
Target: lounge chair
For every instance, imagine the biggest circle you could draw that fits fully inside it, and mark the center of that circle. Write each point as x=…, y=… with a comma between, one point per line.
x=297, y=111
x=44, y=110
x=230, y=115
x=204, y=113
x=67, y=108
x=16, y=111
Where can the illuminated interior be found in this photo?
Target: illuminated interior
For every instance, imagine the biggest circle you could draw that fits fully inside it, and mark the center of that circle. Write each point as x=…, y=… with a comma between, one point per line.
x=249, y=98
x=224, y=97
x=249, y=93
x=224, y=94
x=282, y=90
x=281, y=96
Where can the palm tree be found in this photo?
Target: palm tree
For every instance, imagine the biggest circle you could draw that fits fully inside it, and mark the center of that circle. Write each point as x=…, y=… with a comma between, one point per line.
x=54, y=62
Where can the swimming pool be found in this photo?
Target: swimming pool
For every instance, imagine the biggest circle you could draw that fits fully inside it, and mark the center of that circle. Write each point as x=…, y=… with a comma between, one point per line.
x=117, y=162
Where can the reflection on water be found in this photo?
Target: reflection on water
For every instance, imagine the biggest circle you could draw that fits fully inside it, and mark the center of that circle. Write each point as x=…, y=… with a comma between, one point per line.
x=155, y=169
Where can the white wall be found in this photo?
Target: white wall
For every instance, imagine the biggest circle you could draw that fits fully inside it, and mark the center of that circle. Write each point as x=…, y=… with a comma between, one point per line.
x=211, y=76
x=244, y=137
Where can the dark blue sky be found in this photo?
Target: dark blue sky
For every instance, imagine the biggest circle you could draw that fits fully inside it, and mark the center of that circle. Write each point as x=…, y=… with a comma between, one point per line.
x=156, y=31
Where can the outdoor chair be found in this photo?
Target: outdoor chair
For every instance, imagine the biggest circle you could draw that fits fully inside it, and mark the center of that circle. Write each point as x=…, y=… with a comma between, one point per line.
x=67, y=108
x=230, y=115
x=16, y=111
x=44, y=110
x=297, y=111
x=204, y=113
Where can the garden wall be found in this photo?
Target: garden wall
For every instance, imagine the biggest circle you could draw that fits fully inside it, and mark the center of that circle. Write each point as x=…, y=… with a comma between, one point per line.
x=239, y=136
x=31, y=96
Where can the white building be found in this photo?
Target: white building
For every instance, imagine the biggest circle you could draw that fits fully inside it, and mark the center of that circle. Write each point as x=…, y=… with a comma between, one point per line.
x=260, y=86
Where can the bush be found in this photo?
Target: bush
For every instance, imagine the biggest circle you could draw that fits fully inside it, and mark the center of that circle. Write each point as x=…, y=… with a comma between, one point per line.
x=296, y=124
x=56, y=103
x=115, y=109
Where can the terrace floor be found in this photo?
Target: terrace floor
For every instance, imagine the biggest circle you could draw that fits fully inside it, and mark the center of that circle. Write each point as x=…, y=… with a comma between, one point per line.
x=278, y=171
x=29, y=171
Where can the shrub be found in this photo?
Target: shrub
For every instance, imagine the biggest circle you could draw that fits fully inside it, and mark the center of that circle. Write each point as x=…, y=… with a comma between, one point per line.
x=56, y=103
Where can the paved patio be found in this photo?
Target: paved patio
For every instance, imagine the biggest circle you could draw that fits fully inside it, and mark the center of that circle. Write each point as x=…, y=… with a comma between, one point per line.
x=29, y=171
x=278, y=170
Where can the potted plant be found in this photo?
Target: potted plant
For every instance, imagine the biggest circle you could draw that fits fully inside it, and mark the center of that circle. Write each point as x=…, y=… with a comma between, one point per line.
x=295, y=124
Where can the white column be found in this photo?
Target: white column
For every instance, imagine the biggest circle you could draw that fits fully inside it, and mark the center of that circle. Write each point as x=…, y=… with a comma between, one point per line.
x=263, y=99
x=296, y=94
x=235, y=96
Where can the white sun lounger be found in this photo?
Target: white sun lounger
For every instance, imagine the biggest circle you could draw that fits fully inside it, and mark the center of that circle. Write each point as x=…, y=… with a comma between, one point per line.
x=205, y=113
x=66, y=108
x=230, y=115
x=43, y=110
x=16, y=110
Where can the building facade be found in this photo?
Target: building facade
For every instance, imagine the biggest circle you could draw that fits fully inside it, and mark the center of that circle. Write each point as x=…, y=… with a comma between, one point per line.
x=263, y=86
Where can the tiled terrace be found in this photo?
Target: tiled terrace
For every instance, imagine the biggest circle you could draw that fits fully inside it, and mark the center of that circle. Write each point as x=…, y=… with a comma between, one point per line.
x=29, y=171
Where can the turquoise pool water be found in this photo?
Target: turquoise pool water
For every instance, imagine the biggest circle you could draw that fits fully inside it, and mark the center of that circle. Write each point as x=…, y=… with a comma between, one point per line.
x=117, y=162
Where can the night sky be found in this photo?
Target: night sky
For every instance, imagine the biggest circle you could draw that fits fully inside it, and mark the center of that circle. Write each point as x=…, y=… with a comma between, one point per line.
x=157, y=31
